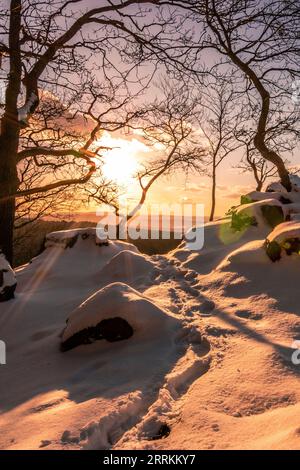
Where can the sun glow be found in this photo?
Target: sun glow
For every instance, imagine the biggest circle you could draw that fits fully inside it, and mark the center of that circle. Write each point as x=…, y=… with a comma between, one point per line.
x=121, y=164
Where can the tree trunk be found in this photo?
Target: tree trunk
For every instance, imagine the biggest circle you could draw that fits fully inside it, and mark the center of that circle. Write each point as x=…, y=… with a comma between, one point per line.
x=273, y=157
x=259, y=186
x=10, y=130
x=8, y=187
x=7, y=217
x=213, y=196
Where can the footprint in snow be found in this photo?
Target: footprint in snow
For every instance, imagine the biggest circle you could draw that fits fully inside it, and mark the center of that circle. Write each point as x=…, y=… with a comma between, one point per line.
x=207, y=307
x=248, y=315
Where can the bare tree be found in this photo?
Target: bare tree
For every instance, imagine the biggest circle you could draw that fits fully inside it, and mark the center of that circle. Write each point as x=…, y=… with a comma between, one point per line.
x=259, y=40
x=89, y=58
x=219, y=118
x=260, y=168
x=282, y=135
x=170, y=125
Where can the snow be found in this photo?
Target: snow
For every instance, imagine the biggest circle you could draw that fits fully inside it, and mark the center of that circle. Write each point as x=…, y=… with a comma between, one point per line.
x=210, y=358
x=7, y=279
x=261, y=196
x=68, y=238
x=25, y=111
x=277, y=186
x=91, y=395
x=120, y=300
x=285, y=231
x=295, y=180
x=128, y=266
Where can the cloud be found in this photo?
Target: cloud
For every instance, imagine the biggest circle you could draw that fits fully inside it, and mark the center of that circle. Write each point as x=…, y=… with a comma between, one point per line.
x=235, y=191
x=196, y=187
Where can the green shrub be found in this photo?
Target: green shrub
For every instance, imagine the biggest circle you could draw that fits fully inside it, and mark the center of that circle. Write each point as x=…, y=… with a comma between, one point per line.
x=241, y=221
x=245, y=200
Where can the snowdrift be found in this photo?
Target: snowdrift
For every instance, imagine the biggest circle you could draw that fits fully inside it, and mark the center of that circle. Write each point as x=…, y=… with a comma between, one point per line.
x=128, y=312
x=72, y=257
x=127, y=266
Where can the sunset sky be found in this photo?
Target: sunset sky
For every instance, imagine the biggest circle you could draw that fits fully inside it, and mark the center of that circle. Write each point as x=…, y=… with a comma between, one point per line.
x=122, y=163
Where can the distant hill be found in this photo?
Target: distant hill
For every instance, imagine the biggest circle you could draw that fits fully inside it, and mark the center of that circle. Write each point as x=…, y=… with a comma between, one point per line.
x=29, y=240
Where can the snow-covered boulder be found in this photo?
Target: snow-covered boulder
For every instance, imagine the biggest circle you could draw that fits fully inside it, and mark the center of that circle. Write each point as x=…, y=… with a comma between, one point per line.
x=114, y=313
x=69, y=238
x=269, y=212
x=75, y=258
x=277, y=186
x=255, y=196
x=285, y=239
x=295, y=181
x=8, y=282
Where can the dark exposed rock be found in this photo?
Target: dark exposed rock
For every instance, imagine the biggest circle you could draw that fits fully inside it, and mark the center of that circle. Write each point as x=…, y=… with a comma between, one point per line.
x=284, y=200
x=115, y=329
x=163, y=432
x=273, y=250
x=273, y=215
x=7, y=293
x=70, y=242
x=111, y=329
x=8, y=281
x=292, y=245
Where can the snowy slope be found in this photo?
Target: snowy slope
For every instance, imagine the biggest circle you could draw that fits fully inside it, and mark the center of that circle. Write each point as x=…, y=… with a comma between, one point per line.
x=89, y=396
x=208, y=364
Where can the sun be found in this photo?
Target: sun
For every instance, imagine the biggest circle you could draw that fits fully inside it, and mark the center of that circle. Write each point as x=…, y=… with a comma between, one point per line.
x=120, y=166
x=121, y=163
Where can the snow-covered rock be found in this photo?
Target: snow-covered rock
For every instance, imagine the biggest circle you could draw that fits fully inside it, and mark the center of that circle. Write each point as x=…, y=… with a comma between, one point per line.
x=285, y=239
x=285, y=231
x=132, y=314
x=295, y=181
x=278, y=187
x=255, y=196
x=68, y=238
x=8, y=282
x=269, y=212
x=249, y=253
x=74, y=257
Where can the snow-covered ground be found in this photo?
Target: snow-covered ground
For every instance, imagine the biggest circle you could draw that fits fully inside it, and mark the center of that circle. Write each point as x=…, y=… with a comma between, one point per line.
x=207, y=363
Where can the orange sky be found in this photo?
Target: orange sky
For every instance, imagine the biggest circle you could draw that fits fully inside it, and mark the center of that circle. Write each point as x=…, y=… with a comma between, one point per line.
x=124, y=161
